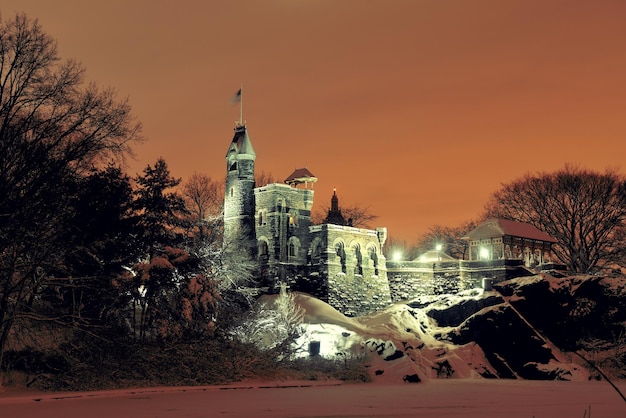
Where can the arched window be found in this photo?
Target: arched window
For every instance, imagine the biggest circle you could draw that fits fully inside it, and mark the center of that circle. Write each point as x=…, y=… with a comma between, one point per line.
x=280, y=205
x=262, y=217
x=341, y=253
x=263, y=249
x=358, y=260
x=374, y=257
x=316, y=250
x=293, y=247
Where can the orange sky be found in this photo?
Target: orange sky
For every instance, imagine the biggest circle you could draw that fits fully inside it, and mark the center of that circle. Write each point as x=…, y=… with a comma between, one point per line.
x=418, y=109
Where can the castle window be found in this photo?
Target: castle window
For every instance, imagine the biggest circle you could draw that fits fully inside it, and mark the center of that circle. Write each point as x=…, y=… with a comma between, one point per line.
x=262, y=217
x=233, y=166
x=374, y=257
x=317, y=251
x=293, y=218
x=340, y=252
x=280, y=205
x=263, y=249
x=358, y=267
x=293, y=247
x=232, y=191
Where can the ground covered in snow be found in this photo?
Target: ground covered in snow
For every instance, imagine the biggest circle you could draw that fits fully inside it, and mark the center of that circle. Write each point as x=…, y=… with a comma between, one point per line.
x=439, y=398
x=510, y=352
x=532, y=328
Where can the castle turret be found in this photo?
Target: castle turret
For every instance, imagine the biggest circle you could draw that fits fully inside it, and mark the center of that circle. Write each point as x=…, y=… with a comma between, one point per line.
x=334, y=213
x=239, y=191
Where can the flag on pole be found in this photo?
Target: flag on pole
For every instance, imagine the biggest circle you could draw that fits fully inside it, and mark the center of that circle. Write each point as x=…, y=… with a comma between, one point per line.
x=237, y=97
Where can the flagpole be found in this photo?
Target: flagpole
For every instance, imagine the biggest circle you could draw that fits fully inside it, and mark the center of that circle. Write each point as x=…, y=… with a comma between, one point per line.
x=241, y=105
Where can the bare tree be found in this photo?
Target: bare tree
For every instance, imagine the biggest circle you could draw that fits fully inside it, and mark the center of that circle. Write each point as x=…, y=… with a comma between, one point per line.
x=52, y=129
x=263, y=179
x=449, y=238
x=583, y=210
x=357, y=215
x=204, y=200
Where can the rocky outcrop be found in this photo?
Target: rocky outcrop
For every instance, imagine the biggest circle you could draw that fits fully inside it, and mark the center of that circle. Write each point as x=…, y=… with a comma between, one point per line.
x=517, y=331
x=570, y=311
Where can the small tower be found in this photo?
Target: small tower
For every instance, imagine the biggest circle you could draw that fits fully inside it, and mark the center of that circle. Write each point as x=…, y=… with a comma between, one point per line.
x=239, y=190
x=334, y=213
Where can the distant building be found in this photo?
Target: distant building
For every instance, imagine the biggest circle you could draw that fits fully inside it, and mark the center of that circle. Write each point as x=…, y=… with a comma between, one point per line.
x=499, y=249
x=497, y=239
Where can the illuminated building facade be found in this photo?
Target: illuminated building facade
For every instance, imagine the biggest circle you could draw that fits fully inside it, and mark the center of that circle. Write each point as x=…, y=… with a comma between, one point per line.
x=345, y=266
x=498, y=249
x=336, y=262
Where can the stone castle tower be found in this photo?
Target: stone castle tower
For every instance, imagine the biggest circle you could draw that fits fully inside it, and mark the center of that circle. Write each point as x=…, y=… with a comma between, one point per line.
x=239, y=190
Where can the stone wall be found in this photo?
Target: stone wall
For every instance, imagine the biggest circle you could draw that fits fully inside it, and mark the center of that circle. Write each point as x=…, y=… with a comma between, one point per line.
x=410, y=279
x=353, y=266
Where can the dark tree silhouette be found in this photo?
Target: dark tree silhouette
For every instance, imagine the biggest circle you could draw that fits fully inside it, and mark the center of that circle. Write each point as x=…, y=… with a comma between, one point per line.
x=583, y=210
x=99, y=233
x=159, y=208
x=357, y=215
x=53, y=129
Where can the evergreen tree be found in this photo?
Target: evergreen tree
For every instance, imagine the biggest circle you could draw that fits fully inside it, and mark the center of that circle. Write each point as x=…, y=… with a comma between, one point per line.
x=160, y=209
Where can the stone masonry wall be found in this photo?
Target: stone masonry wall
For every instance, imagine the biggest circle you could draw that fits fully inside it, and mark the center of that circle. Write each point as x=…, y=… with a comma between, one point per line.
x=354, y=269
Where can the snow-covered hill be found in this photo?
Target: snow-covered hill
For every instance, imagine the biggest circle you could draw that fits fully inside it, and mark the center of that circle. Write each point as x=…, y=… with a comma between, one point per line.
x=474, y=334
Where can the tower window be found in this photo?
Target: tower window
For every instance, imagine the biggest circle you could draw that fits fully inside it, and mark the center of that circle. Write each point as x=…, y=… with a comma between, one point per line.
x=293, y=218
x=293, y=247
x=233, y=166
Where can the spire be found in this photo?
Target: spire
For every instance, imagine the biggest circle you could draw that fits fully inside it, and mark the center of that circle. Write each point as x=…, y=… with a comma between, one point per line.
x=334, y=213
x=334, y=202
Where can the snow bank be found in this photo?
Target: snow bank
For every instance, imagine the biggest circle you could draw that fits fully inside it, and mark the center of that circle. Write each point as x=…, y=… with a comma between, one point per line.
x=405, y=344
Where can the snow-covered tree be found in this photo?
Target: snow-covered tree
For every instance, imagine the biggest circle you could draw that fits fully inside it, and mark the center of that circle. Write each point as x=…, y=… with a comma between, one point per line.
x=273, y=324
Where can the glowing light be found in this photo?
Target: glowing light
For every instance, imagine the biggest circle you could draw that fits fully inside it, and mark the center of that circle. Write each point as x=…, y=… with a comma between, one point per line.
x=484, y=253
x=438, y=247
x=397, y=256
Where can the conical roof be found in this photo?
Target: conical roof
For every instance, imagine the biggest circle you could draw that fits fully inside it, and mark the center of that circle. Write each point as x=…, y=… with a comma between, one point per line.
x=241, y=143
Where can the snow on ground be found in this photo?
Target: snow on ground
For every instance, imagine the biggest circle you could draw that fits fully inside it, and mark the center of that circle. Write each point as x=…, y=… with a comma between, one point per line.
x=401, y=343
x=485, y=398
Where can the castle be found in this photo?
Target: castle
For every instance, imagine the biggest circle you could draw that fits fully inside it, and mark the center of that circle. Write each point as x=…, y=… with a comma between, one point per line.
x=343, y=265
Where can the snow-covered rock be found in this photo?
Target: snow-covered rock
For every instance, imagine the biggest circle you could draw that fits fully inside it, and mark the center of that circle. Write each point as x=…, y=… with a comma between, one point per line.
x=472, y=335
